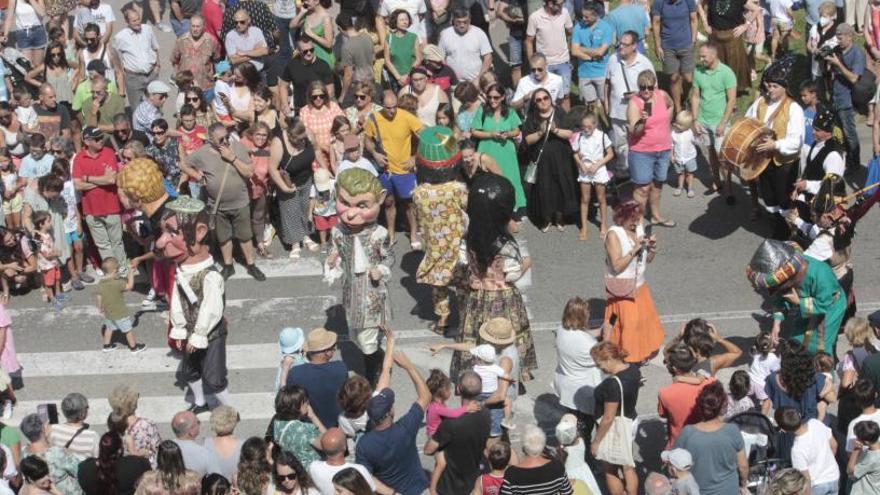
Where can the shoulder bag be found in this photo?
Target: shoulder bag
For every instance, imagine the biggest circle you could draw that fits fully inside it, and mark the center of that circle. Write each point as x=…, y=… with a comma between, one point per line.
x=531, y=174
x=616, y=446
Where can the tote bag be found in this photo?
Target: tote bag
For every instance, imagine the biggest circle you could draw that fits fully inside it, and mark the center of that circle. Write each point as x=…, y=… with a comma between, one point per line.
x=616, y=446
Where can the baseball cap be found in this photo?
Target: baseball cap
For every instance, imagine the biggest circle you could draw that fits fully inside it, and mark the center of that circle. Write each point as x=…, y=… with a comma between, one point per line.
x=158, y=87
x=380, y=404
x=320, y=339
x=484, y=352
x=97, y=66
x=844, y=28
x=432, y=53
x=92, y=133
x=221, y=67
x=291, y=340
x=566, y=430
x=323, y=180
x=679, y=458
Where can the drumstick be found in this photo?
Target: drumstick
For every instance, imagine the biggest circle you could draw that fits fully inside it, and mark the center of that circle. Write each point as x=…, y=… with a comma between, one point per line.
x=847, y=199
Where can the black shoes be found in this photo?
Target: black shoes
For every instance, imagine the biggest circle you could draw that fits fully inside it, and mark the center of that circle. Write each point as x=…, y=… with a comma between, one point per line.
x=198, y=409
x=228, y=271
x=255, y=272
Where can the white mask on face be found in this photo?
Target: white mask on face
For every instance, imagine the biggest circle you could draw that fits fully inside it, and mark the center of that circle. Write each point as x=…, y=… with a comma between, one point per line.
x=824, y=21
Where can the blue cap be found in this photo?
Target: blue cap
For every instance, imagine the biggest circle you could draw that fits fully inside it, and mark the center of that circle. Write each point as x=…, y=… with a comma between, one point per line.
x=380, y=404
x=221, y=67
x=291, y=340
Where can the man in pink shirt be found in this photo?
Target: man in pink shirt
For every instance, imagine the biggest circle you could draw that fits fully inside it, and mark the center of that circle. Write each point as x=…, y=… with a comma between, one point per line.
x=94, y=175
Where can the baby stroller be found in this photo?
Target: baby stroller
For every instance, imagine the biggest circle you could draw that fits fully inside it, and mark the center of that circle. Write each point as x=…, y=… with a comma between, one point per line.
x=763, y=447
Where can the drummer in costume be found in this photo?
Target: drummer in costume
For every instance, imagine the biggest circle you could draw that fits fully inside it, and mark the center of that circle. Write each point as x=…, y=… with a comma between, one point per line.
x=785, y=117
x=198, y=301
x=800, y=289
x=440, y=200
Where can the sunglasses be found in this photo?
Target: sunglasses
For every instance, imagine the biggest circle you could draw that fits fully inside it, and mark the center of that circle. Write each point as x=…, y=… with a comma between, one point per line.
x=321, y=96
x=538, y=69
x=307, y=50
x=241, y=22
x=286, y=477
x=56, y=54
x=542, y=99
x=163, y=95
x=160, y=132
x=646, y=88
x=495, y=97
x=196, y=99
x=361, y=97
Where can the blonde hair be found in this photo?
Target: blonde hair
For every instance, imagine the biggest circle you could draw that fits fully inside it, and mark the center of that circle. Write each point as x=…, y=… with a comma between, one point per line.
x=858, y=331
x=684, y=119
x=223, y=420
x=110, y=265
x=828, y=8
x=123, y=399
x=647, y=78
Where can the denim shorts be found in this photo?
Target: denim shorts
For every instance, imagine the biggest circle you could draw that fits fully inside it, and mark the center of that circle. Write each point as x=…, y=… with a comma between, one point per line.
x=689, y=166
x=400, y=185
x=563, y=70
x=72, y=237
x=648, y=166
x=515, y=49
x=124, y=325
x=496, y=413
x=31, y=38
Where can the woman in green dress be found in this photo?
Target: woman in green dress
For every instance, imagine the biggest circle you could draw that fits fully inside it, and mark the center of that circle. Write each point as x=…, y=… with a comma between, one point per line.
x=496, y=126
x=317, y=24
x=403, y=51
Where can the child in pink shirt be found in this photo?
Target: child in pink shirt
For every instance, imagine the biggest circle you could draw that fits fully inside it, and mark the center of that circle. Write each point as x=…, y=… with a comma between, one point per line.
x=441, y=390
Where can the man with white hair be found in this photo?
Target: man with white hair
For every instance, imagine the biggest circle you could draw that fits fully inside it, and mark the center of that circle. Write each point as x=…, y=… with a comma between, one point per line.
x=657, y=484
x=535, y=473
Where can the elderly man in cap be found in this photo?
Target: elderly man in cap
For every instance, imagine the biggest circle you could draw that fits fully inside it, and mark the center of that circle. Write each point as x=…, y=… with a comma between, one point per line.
x=197, y=303
x=799, y=288
x=321, y=376
x=847, y=65
x=94, y=176
x=785, y=117
x=439, y=73
x=389, y=449
x=150, y=107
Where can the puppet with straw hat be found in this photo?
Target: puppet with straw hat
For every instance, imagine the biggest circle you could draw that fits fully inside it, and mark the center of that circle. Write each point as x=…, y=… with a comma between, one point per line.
x=440, y=201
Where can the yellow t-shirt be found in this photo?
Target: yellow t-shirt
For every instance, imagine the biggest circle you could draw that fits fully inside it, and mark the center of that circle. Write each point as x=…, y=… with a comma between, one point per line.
x=396, y=138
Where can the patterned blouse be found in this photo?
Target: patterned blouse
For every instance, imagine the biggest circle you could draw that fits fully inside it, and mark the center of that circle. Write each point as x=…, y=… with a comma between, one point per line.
x=168, y=158
x=506, y=268
x=319, y=122
x=296, y=437
x=440, y=209
x=63, y=468
x=145, y=436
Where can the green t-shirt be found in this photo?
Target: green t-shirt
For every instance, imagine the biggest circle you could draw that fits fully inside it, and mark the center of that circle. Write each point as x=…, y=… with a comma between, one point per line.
x=713, y=86
x=84, y=90
x=112, y=292
x=9, y=436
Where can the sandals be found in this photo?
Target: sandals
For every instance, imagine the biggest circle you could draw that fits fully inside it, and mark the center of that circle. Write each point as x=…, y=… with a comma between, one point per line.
x=665, y=222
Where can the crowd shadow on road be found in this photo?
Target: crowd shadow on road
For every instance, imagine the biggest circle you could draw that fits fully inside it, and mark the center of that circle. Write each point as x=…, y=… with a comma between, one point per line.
x=720, y=220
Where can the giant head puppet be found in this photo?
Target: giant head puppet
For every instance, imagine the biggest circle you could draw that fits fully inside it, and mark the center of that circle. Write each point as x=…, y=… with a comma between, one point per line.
x=359, y=197
x=776, y=266
x=140, y=185
x=438, y=156
x=184, y=228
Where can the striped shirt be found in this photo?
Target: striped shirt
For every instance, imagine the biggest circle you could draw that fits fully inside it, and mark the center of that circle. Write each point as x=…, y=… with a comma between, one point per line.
x=84, y=445
x=144, y=115
x=549, y=479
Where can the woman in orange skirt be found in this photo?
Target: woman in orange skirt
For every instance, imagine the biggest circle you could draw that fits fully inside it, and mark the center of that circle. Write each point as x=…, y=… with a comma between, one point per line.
x=632, y=320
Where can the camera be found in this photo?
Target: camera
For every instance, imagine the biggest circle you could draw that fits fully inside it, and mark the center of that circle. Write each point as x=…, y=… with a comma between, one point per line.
x=826, y=51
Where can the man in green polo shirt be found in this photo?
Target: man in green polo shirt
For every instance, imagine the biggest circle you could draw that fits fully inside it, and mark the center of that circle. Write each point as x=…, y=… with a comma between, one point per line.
x=98, y=110
x=713, y=99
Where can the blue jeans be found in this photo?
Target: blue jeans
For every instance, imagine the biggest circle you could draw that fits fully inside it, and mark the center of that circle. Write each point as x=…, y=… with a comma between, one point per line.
x=647, y=167
x=829, y=488
x=847, y=118
x=286, y=35
x=564, y=71
x=180, y=27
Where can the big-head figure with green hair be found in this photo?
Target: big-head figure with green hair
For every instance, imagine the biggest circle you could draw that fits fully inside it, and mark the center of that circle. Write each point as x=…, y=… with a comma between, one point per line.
x=361, y=257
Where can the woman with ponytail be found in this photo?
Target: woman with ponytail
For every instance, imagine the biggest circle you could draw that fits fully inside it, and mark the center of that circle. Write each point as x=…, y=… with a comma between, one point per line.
x=112, y=472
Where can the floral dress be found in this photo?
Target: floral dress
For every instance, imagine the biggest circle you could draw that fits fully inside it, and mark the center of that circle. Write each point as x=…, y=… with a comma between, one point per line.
x=296, y=437
x=367, y=304
x=145, y=437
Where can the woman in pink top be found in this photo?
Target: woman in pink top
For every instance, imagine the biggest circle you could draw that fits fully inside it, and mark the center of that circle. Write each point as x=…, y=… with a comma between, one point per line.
x=650, y=141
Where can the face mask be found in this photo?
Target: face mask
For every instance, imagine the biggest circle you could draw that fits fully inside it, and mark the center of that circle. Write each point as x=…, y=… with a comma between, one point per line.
x=824, y=21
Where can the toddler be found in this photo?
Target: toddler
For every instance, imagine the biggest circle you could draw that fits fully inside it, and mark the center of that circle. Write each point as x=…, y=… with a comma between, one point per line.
x=864, y=465
x=783, y=21
x=24, y=110
x=825, y=365
x=110, y=294
x=486, y=365
x=499, y=458
x=764, y=362
x=37, y=163
x=47, y=259
x=738, y=395
x=13, y=200
x=679, y=463
x=352, y=157
x=290, y=340
x=222, y=86
x=322, y=205
x=684, y=152
x=575, y=452
x=592, y=152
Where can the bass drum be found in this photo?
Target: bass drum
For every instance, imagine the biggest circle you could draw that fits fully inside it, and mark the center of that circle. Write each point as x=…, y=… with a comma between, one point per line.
x=738, y=149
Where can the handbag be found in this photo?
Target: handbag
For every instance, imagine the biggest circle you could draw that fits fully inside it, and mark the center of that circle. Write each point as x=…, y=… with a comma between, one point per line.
x=623, y=287
x=616, y=446
x=863, y=92
x=531, y=174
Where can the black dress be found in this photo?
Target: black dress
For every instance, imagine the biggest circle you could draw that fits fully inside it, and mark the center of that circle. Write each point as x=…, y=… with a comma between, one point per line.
x=555, y=189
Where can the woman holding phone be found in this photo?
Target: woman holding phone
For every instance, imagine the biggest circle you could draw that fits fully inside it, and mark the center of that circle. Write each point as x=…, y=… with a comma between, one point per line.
x=649, y=115
x=631, y=318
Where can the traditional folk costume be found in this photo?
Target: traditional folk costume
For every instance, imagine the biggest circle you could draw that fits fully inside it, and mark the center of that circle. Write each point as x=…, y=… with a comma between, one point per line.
x=823, y=158
x=778, y=267
x=196, y=316
x=785, y=118
x=366, y=301
x=440, y=200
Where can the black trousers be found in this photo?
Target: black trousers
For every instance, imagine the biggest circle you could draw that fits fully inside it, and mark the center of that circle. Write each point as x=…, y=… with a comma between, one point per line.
x=208, y=365
x=775, y=186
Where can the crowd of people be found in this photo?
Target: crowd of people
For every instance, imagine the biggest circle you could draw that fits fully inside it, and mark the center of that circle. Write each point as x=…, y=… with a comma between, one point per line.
x=341, y=130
